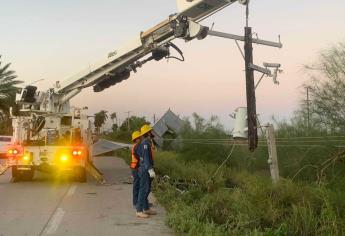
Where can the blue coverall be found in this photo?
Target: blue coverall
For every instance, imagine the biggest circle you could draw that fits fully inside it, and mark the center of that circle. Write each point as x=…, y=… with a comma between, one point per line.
x=145, y=164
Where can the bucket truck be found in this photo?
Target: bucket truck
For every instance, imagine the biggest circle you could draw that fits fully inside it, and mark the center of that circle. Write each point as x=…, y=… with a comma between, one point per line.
x=50, y=135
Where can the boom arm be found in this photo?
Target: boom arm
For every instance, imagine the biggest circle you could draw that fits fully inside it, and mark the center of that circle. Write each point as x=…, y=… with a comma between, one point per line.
x=121, y=62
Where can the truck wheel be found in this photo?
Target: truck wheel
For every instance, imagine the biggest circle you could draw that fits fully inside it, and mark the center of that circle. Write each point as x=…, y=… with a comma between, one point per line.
x=15, y=174
x=80, y=173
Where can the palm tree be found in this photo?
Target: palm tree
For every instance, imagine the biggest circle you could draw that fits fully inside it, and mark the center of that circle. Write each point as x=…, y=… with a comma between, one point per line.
x=100, y=119
x=113, y=117
x=8, y=88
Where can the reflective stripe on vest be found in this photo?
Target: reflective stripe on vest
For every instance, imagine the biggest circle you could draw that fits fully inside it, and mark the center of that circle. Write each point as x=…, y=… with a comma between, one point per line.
x=135, y=159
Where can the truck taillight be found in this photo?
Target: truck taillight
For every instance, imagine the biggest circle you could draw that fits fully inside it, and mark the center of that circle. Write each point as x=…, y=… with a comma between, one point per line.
x=14, y=151
x=77, y=152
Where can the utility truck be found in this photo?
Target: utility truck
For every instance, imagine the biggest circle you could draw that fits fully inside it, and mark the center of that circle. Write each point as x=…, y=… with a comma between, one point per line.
x=50, y=135
x=50, y=142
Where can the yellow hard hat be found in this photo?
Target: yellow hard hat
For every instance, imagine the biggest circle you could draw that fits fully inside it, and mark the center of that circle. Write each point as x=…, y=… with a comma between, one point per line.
x=135, y=135
x=145, y=129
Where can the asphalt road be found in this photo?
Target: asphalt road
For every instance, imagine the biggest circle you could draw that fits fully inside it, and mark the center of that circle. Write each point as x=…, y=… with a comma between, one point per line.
x=57, y=206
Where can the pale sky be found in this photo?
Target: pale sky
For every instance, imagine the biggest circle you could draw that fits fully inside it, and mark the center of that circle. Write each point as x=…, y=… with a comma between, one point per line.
x=56, y=39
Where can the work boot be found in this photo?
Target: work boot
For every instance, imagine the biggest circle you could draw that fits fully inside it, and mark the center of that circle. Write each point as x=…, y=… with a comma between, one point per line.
x=150, y=212
x=142, y=215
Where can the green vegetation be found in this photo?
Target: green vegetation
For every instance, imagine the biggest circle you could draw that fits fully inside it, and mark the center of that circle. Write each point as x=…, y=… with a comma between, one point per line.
x=100, y=119
x=241, y=200
x=8, y=89
x=240, y=203
x=128, y=126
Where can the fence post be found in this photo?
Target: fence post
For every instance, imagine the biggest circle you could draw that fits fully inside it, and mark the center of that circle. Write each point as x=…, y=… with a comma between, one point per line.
x=272, y=151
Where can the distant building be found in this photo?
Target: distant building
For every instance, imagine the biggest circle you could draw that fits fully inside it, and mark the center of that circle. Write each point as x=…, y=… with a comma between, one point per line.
x=167, y=130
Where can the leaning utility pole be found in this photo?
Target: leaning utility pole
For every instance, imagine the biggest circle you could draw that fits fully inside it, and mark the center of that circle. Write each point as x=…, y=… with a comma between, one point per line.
x=250, y=86
x=272, y=152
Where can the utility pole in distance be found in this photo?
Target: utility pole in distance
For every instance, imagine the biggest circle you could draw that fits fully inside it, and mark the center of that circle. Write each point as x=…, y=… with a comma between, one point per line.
x=128, y=123
x=308, y=110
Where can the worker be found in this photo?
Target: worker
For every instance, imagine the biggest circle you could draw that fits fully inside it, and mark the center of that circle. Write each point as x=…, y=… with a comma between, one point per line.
x=147, y=141
x=136, y=136
x=145, y=173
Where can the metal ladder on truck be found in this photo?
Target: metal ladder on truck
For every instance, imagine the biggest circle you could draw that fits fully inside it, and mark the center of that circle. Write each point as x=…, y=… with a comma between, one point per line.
x=5, y=167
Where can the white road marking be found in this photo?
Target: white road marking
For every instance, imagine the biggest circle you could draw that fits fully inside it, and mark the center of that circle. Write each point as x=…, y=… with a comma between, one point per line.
x=71, y=190
x=54, y=222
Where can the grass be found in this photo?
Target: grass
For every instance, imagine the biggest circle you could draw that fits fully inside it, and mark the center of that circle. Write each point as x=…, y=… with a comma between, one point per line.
x=237, y=202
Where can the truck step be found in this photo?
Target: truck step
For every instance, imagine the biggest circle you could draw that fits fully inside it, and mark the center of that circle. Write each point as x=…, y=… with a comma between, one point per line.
x=4, y=168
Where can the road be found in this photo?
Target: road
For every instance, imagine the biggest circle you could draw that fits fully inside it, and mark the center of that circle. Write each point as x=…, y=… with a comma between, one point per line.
x=56, y=206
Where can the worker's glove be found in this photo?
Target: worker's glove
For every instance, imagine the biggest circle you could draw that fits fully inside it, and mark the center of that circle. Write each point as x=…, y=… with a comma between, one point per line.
x=152, y=173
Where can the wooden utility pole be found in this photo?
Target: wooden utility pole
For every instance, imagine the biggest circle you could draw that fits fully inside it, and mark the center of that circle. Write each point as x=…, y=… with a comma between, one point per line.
x=250, y=86
x=272, y=152
x=250, y=68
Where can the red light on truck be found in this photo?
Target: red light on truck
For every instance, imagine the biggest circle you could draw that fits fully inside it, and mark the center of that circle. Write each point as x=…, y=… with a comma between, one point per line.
x=13, y=151
x=77, y=153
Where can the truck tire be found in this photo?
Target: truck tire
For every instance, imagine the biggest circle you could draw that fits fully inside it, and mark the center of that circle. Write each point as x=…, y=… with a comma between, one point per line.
x=80, y=173
x=15, y=174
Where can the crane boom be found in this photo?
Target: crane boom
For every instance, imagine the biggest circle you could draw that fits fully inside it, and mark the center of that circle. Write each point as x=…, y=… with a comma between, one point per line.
x=120, y=63
x=119, y=60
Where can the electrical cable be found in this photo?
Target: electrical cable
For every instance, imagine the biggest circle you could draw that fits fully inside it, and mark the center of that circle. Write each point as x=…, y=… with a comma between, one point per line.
x=261, y=145
x=223, y=163
x=312, y=137
x=170, y=44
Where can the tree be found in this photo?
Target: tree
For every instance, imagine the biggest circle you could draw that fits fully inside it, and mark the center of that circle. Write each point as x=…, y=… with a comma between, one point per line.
x=136, y=123
x=113, y=117
x=8, y=89
x=327, y=89
x=100, y=119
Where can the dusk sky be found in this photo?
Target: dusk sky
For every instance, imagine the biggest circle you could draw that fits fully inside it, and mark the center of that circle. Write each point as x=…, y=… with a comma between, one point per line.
x=53, y=40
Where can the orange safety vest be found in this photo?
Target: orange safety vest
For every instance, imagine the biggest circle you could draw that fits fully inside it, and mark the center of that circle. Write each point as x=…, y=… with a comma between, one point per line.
x=135, y=159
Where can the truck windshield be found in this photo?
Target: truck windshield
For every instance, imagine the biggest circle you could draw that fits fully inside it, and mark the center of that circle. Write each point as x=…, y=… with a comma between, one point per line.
x=5, y=139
